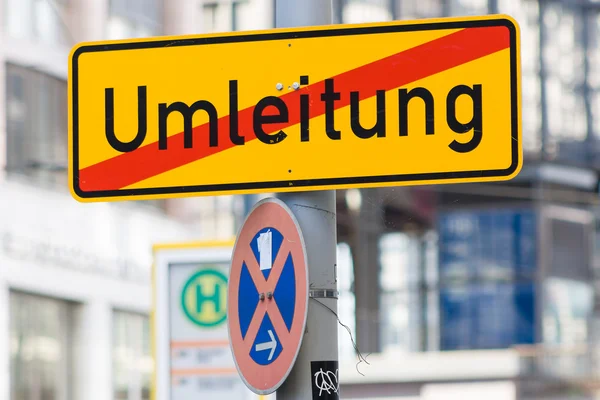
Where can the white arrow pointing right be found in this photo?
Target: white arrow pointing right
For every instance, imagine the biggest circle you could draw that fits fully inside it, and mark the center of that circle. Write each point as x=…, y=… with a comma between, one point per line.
x=272, y=345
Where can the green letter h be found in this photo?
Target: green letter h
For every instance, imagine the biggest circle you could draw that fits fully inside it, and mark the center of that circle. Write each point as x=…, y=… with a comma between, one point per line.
x=215, y=298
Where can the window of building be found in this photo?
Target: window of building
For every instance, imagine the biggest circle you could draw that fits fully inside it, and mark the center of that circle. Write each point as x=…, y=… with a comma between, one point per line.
x=563, y=56
x=567, y=311
x=221, y=15
x=358, y=11
x=467, y=7
x=527, y=15
x=405, y=275
x=487, y=265
x=420, y=9
x=594, y=67
x=217, y=216
x=209, y=16
x=132, y=358
x=235, y=15
x=41, y=20
x=566, y=294
x=41, y=331
x=36, y=125
x=567, y=308
x=134, y=18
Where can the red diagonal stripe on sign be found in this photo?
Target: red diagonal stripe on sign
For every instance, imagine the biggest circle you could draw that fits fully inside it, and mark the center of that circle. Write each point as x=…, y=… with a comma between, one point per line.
x=388, y=73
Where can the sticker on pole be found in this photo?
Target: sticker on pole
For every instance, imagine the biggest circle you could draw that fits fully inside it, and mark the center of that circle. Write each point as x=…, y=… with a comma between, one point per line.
x=267, y=296
x=325, y=380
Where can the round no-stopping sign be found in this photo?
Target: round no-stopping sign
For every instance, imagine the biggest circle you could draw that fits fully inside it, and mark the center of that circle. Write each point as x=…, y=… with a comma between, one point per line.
x=267, y=296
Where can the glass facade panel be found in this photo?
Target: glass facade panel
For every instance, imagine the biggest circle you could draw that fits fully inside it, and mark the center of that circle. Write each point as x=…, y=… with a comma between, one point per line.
x=527, y=15
x=567, y=309
x=405, y=282
x=563, y=55
x=487, y=264
x=593, y=80
x=36, y=113
x=566, y=320
x=40, y=348
x=132, y=358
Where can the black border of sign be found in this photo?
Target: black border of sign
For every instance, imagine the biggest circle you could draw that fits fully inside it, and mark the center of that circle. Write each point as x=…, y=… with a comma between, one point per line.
x=286, y=35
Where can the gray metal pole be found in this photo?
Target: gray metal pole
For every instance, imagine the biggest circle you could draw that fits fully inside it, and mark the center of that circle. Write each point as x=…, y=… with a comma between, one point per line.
x=315, y=212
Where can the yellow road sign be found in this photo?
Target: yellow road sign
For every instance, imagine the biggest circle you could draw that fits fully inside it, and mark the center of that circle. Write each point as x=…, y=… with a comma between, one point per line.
x=432, y=101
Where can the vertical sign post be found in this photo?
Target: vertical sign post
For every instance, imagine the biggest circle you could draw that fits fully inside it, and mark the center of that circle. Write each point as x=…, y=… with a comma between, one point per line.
x=315, y=374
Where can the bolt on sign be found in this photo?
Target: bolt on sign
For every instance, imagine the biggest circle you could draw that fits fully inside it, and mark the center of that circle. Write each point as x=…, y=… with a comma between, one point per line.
x=387, y=104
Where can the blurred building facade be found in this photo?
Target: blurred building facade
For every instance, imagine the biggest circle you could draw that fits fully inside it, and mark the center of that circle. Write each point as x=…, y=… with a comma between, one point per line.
x=75, y=278
x=509, y=268
x=470, y=274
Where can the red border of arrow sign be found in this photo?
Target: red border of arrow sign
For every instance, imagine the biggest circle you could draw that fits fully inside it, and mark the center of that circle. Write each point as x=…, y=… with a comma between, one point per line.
x=268, y=213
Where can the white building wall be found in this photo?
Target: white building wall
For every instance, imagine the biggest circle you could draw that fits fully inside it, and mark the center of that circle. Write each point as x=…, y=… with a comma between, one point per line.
x=95, y=255
x=256, y=14
x=183, y=17
x=87, y=19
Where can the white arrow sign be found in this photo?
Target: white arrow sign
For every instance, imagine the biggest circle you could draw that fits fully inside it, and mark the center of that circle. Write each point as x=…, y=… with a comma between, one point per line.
x=272, y=345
